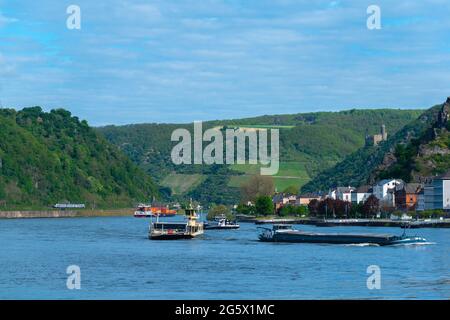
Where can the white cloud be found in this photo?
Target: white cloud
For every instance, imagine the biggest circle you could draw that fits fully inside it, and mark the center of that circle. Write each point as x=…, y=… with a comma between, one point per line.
x=166, y=60
x=138, y=12
x=5, y=20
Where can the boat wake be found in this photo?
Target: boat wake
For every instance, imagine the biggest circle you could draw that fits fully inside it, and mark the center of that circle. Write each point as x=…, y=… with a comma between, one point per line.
x=413, y=244
x=361, y=245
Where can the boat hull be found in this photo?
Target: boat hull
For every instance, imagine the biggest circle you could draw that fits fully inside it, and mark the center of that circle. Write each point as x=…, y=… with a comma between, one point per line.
x=174, y=235
x=306, y=237
x=150, y=215
x=211, y=227
x=171, y=237
x=142, y=216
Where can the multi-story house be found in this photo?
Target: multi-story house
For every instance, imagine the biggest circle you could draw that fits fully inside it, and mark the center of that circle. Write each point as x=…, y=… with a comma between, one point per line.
x=342, y=193
x=384, y=190
x=406, y=196
x=421, y=200
x=361, y=194
x=306, y=198
x=280, y=200
x=437, y=193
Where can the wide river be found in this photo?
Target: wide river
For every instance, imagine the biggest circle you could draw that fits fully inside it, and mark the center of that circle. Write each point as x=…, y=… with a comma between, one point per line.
x=117, y=261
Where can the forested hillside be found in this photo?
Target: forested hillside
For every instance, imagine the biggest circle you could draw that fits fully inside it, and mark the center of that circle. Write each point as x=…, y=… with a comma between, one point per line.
x=53, y=157
x=422, y=157
x=309, y=144
x=417, y=151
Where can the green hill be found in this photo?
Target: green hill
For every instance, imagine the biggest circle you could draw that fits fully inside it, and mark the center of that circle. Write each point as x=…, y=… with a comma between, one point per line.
x=309, y=144
x=53, y=157
x=420, y=149
x=424, y=156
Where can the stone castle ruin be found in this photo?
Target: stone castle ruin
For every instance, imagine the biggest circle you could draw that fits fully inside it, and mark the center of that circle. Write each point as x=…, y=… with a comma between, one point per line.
x=373, y=140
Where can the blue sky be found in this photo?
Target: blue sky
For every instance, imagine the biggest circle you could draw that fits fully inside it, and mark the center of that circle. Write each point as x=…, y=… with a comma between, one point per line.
x=178, y=61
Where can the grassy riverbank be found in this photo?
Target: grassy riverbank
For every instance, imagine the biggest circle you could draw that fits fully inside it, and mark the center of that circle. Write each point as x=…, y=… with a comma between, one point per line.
x=106, y=213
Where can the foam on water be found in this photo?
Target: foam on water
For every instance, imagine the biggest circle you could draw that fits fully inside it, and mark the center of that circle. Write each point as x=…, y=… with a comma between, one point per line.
x=361, y=245
x=413, y=244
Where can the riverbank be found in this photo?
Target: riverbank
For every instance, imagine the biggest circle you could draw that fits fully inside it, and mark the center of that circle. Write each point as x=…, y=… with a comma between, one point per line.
x=30, y=214
x=427, y=223
x=423, y=223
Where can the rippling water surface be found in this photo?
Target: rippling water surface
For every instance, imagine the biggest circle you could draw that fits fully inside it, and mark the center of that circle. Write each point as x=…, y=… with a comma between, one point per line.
x=117, y=261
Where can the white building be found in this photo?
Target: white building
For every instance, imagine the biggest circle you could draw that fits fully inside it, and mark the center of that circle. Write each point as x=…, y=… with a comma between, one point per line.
x=342, y=193
x=384, y=190
x=421, y=201
x=437, y=193
x=332, y=194
x=361, y=194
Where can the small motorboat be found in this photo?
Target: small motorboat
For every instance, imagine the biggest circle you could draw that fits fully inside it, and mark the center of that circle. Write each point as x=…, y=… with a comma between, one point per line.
x=221, y=223
x=285, y=233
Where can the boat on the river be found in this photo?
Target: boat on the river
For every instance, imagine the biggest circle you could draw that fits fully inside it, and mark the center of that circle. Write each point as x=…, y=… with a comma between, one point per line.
x=154, y=210
x=221, y=223
x=285, y=233
x=177, y=230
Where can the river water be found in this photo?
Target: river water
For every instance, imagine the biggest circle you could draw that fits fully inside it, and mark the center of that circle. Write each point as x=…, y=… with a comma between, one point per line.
x=117, y=261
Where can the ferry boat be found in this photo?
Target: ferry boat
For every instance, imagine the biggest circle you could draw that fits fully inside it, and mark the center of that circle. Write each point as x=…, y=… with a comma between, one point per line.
x=177, y=230
x=147, y=211
x=285, y=233
x=221, y=222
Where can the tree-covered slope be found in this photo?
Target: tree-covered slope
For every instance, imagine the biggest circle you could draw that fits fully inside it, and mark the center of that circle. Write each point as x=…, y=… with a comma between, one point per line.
x=406, y=155
x=309, y=142
x=422, y=157
x=53, y=157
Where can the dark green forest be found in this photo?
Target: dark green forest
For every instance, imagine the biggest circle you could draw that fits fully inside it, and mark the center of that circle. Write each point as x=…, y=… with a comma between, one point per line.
x=51, y=157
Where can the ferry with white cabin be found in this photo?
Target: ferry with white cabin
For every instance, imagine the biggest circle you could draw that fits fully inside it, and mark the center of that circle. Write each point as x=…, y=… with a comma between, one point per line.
x=177, y=230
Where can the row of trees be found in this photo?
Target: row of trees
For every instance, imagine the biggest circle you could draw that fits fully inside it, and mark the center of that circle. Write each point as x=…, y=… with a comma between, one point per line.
x=219, y=210
x=258, y=190
x=263, y=206
x=290, y=210
x=343, y=209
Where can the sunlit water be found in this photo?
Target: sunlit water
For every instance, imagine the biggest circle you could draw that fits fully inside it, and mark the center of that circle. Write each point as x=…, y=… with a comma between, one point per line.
x=118, y=261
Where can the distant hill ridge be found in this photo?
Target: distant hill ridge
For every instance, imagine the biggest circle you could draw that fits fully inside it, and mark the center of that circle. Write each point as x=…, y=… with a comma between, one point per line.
x=309, y=144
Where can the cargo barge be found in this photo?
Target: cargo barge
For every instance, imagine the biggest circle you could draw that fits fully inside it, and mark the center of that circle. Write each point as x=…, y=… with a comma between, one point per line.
x=285, y=233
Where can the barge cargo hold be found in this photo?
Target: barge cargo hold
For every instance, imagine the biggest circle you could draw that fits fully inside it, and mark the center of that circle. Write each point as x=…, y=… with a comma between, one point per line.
x=285, y=233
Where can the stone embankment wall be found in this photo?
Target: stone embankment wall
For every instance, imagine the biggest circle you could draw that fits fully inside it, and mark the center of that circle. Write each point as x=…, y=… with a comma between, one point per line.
x=65, y=213
x=37, y=214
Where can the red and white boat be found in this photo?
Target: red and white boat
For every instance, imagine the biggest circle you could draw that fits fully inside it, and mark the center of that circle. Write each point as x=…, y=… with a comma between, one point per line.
x=147, y=211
